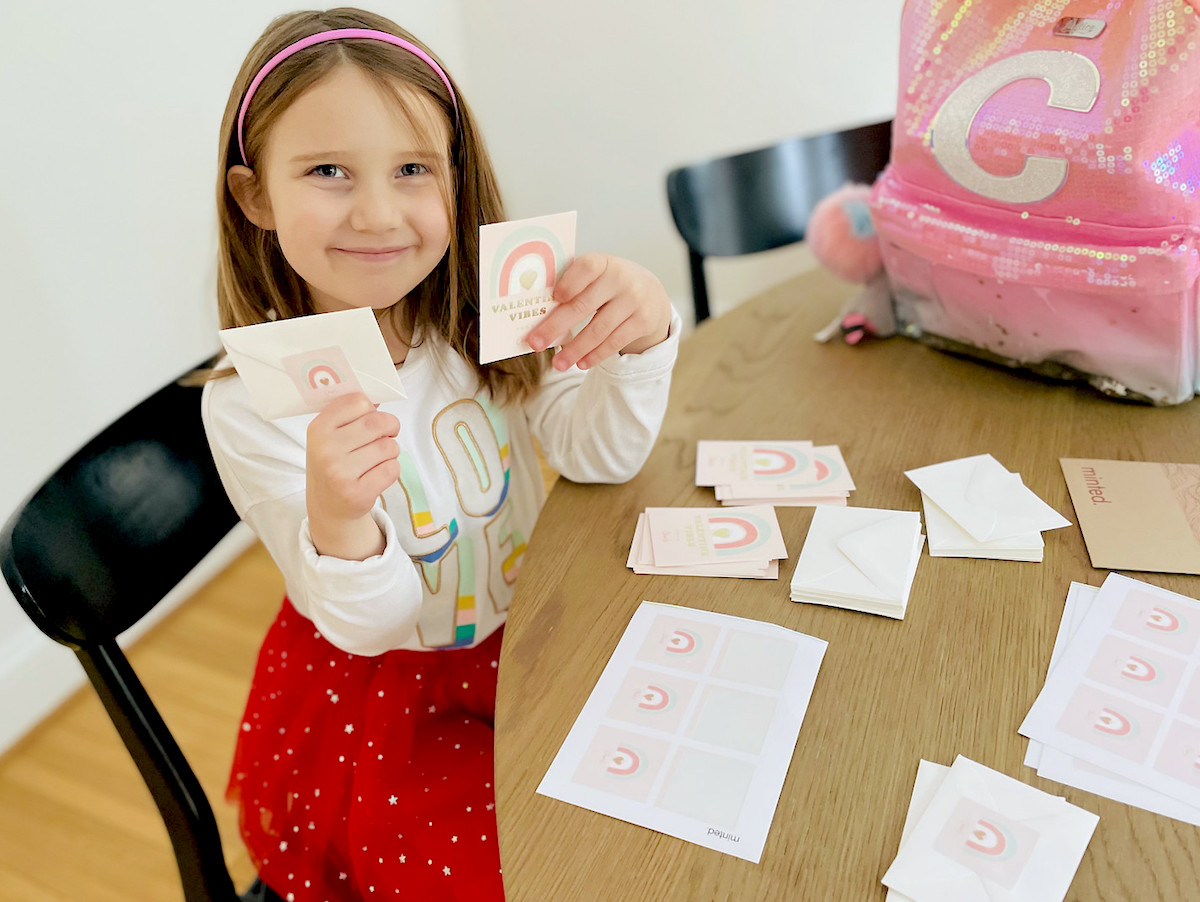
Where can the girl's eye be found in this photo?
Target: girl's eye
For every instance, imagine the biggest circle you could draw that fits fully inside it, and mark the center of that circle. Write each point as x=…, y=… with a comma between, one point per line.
x=411, y=169
x=328, y=171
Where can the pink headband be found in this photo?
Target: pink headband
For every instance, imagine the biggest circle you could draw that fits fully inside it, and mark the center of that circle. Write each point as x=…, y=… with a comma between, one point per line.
x=335, y=35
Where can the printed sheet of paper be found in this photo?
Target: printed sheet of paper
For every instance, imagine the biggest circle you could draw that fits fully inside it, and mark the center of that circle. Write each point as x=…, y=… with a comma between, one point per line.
x=298, y=365
x=519, y=262
x=1137, y=515
x=691, y=727
x=1125, y=695
x=1060, y=767
x=985, y=837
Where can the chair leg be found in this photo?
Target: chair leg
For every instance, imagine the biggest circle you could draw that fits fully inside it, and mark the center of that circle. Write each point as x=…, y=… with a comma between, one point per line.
x=699, y=286
x=260, y=892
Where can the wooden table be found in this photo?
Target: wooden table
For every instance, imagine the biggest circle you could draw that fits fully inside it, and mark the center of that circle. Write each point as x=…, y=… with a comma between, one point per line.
x=956, y=676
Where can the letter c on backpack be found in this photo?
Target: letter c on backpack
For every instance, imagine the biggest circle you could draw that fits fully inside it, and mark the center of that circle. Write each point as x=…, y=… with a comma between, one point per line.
x=1074, y=84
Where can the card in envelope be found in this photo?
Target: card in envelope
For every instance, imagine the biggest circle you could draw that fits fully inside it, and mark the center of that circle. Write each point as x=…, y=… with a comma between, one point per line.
x=986, y=837
x=298, y=365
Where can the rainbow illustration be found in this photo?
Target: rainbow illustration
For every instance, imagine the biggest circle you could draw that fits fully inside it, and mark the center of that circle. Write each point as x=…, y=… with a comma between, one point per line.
x=465, y=615
x=418, y=504
x=681, y=642
x=1114, y=723
x=737, y=534
x=511, y=565
x=777, y=463
x=528, y=259
x=623, y=762
x=1163, y=620
x=319, y=374
x=1139, y=669
x=655, y=698
x=988, y=839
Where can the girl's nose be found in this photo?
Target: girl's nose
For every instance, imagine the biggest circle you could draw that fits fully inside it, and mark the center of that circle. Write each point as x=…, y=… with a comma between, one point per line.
x=375, y=209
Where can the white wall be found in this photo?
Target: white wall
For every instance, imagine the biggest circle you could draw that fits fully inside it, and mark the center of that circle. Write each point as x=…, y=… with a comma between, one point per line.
x=587, y=106
x=109, y=131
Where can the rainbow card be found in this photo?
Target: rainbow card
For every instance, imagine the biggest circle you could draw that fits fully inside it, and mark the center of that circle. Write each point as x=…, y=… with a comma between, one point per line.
x=691, y=727
x=519, y=262
x=681, y=536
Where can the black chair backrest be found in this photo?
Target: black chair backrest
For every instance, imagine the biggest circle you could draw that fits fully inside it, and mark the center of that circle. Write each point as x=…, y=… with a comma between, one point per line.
x=98, y=545
x=762, y=199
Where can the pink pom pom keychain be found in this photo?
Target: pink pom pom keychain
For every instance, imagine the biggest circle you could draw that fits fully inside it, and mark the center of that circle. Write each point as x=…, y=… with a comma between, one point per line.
x=842, y=238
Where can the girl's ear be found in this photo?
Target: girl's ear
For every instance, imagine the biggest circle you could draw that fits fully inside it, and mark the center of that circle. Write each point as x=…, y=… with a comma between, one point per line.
x=248, y=192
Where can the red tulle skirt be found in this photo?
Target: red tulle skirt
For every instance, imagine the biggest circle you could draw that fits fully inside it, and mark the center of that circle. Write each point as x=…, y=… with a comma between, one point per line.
x=365, y=778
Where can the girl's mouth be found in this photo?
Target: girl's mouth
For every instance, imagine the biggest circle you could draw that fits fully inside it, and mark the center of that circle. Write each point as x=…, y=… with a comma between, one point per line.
x=373, y=254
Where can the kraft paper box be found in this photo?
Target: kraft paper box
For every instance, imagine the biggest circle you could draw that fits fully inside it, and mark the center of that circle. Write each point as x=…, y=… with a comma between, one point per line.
x=1137, y=515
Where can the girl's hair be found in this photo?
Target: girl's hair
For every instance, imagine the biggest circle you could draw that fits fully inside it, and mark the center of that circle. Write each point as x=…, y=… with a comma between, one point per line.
x=256, y=284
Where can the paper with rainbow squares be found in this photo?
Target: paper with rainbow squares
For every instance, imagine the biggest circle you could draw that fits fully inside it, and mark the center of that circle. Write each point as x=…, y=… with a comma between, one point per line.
x=519, y=262
x=1124, y=694
x=691, y=727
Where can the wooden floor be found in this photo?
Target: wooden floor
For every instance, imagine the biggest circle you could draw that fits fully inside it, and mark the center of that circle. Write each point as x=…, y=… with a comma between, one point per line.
x=77, y=823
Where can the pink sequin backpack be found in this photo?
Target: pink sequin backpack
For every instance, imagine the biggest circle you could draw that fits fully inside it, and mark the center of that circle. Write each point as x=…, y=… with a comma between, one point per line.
x=1040, y=208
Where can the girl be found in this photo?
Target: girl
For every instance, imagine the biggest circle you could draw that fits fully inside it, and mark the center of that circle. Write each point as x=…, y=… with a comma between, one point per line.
x=352, y=175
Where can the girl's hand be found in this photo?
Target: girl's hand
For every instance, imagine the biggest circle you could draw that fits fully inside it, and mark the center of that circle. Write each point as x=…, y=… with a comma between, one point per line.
x=352, y=457
x=627, y=304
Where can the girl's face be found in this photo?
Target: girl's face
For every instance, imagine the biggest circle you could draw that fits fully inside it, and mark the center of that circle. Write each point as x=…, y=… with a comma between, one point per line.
x=351, y=189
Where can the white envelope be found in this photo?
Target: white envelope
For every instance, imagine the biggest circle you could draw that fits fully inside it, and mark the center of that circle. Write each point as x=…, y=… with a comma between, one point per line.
x=986, y=500
x=929, y=779
x=1042, y=839
x=860, y=552
x=948, y=539
x=298, y=365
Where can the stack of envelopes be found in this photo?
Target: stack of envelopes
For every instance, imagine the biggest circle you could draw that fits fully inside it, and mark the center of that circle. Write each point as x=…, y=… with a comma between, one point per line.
x=859, y=558
x=781, y=473
x=973, y=833
x=974, y=507
x=708, y=541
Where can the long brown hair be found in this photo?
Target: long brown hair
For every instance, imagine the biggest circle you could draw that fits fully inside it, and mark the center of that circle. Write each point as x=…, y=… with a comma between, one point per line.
x=256, y=284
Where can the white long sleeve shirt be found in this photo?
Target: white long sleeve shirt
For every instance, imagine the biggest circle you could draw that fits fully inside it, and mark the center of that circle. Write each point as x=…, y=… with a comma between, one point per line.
x=456, y=522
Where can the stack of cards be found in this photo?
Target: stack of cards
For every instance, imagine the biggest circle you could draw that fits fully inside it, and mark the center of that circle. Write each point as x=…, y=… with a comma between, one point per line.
x=976, y=508
x=708, y=541
x=1119, y=715
x=859, y=558
x=788, y=474
x=973, y=833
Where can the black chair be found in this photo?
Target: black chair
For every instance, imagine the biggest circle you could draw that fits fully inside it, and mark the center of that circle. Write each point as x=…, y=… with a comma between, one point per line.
x=760, y=200
x=92, y=551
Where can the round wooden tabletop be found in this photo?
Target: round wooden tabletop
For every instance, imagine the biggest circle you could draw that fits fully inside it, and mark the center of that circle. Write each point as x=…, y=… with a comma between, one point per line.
x=956, y=676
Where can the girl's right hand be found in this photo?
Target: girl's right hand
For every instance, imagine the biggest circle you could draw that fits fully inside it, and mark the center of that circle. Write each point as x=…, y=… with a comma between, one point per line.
x=351, y=458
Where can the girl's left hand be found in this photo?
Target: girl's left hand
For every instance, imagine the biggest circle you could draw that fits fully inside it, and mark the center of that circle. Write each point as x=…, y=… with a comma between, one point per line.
x=627, y=304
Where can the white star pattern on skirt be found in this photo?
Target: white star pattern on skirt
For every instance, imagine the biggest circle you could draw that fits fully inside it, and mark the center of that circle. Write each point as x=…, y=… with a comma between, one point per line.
x=287, y=784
